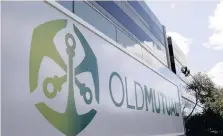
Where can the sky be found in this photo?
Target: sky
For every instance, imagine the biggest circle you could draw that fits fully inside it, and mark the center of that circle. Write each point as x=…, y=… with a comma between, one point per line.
x=197, y=28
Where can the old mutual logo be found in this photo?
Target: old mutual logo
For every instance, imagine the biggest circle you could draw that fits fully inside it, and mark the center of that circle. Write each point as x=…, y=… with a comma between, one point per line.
x=69, y=122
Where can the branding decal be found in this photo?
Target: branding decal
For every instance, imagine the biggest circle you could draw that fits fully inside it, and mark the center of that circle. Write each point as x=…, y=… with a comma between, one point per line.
x=151, y=99
x=69, y=122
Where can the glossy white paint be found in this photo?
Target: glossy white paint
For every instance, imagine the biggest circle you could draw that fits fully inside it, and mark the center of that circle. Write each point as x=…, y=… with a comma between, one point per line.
x=21, y=117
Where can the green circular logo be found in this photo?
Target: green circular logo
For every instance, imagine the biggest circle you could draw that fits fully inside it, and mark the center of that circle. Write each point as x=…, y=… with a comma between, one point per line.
x=68, y=122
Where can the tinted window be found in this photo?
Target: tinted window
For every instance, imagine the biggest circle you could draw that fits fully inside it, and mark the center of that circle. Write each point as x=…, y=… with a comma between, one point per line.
x=123, y=39
x=129, y=44
x=155, y=49
x=124, y=19
x=67, y=4
x=87, y=13
x=153, y=62
x=148, y=18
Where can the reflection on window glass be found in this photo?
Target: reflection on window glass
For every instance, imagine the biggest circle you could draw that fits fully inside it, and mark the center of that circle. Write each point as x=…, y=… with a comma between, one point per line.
x=161, y=54
x=87, y=13
x=123, y=39
x=154, y=48
x=129, y=44
x=152, y=61
x=66, y=4
x=158, y=33
x=117, y=13
x=149, y=19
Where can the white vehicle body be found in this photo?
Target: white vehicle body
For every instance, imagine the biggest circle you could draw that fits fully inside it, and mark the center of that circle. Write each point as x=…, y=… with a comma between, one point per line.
x=61, y=76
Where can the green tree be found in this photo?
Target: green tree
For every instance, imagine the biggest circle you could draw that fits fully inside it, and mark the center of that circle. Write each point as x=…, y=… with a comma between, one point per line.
x=215, y=102
x=201, y=87
x=210, y=121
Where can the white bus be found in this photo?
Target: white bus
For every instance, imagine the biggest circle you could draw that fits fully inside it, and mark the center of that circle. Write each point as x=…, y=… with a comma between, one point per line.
x=87, y=69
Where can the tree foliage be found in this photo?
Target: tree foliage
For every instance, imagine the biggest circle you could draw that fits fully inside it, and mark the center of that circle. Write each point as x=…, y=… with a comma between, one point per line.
x=210, y=121
x=207, y=93
x=215, y=102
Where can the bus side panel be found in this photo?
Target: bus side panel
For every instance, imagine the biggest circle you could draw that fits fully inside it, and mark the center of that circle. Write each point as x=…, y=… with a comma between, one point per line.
x=61, y=78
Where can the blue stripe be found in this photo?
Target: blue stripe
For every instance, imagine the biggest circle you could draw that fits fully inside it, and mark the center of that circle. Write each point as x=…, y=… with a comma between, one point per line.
x=148, y=13
x=154, y=27
x=125, y=20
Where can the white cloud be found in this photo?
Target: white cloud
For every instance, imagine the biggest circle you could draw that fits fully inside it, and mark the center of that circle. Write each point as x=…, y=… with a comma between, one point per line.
x=136, y=50
x=182, y=42
x=216, y=73
x=215, y=41
x=172, y=6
